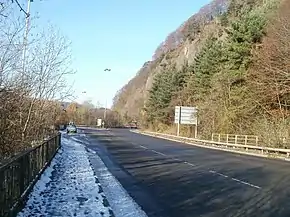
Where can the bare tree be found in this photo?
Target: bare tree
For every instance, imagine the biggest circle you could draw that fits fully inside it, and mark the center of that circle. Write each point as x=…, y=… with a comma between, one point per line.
x=270, y=80
x=4, y=8
x=30, y=99
x=272, y=71
x=49, y=65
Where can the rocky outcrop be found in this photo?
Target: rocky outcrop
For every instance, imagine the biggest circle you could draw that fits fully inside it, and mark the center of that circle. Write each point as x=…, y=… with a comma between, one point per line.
x=206, y=14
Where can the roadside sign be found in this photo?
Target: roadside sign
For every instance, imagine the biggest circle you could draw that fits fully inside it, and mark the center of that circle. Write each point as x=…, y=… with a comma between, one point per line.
x=185, y=115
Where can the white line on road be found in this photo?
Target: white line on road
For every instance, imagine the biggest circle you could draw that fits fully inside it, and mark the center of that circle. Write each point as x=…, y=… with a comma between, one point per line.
x=211, y=171
x=246, y=183
x=157, y=152
x=220, y=174
x=234, y=179
x=160, y=153
x=190, y=164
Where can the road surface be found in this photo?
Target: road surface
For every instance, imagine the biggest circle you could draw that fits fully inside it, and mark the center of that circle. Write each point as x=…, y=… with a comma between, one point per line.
x=177, y=180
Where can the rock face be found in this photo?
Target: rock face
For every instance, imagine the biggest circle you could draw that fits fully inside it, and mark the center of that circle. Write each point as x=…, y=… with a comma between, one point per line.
x=179, y=47
x=206, y=13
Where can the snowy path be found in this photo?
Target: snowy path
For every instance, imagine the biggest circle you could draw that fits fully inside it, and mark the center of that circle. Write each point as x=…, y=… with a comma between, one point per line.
x=68, y=187
x=121, y=202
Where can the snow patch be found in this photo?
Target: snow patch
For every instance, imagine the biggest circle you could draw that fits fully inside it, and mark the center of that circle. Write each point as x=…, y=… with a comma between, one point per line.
x=80, y=141
x=68, y=187
x=121, y=202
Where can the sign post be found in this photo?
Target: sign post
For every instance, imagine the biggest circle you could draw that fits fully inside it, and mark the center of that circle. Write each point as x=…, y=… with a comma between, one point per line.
x=195, y=132
x=178, y=114
x=186, y=115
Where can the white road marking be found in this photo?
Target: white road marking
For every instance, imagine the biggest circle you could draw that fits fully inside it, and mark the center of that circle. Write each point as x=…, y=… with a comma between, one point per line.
x=157, y=152
x=190, y=164
x=211, y=171
x=220, y=174
x=223, y=175
x=234, y=179
x=160, y=153
x=246, y=183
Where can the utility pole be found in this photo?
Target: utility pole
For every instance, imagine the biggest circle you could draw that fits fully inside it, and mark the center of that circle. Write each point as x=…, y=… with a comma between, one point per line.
x=25, y=39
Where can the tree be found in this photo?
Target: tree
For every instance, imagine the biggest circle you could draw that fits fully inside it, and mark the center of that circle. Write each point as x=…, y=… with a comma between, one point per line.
x=166, y=86
x=207, y=63
x=218, y=82
x=49, y=61
x=30, y=94
x=271, y=74
x=269, y=79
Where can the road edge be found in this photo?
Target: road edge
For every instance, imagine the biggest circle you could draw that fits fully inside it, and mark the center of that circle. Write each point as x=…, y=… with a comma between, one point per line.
x=104, y=175
x=211, y=147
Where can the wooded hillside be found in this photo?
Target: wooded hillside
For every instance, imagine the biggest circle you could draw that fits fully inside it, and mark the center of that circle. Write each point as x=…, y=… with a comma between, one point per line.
x=234, y=67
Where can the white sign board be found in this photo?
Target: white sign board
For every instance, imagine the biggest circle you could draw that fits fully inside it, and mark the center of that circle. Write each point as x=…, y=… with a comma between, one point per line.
x=99, y=122
x=185, y=115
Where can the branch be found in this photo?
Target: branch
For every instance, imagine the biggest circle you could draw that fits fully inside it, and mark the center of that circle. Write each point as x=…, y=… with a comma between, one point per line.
x=3, y=15
x=21, y=9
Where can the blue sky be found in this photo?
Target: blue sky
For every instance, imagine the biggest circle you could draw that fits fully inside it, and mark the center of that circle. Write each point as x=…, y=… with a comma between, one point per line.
x=116, y=34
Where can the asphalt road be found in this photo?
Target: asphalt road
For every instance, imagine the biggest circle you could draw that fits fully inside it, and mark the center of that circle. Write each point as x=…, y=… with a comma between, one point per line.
x=173, y=179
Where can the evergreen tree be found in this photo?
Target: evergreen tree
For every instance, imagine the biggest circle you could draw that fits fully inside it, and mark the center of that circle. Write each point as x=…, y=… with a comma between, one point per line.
x=207, y=63
x=165, y=86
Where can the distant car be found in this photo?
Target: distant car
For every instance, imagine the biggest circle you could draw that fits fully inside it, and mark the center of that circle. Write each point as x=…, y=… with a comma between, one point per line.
x=71, y=128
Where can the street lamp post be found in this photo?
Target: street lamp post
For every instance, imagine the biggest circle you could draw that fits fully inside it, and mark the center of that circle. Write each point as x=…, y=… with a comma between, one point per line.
x=83, y=119
x=105, y=110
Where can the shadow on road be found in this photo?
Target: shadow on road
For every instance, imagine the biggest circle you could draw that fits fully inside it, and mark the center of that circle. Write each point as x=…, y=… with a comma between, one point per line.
x=179, y=189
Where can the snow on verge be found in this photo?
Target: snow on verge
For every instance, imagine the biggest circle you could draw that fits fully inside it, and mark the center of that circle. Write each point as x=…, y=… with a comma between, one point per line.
x=68, y=187
x=80, y=141
x=121, y=202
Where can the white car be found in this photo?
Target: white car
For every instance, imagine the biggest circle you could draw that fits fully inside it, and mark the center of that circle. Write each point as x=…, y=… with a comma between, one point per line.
x=71, y=129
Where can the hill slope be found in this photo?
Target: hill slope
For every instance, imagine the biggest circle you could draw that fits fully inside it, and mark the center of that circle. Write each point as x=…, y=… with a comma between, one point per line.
x=231, y=60
x=131, y=97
